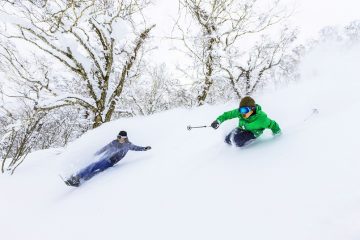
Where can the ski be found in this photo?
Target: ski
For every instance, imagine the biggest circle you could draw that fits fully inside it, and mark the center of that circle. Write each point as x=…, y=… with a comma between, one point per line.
x=63, y=179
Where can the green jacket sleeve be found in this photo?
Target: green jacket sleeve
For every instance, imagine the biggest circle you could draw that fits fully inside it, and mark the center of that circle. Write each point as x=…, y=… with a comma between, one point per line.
x=274, y=127
x=228, y=115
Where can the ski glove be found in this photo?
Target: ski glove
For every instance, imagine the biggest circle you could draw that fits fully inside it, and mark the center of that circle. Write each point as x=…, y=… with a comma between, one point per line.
x=147, y=148
x=215, y=124
x=277, y=133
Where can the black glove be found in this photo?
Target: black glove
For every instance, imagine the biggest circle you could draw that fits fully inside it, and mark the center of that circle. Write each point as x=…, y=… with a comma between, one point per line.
x=215, y=124
x=147, y=148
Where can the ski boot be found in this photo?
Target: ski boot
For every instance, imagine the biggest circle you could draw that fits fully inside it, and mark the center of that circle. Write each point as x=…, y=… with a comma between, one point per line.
x=73, y=181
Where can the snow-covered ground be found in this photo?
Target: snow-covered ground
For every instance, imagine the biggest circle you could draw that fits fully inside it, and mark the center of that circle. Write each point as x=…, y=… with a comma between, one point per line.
x=302, y=185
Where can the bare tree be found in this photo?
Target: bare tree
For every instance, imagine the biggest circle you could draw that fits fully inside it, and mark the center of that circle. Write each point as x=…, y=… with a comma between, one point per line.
x=24, y=126
x=156, y=91
x=225, y=27
x=202, y=47
x=352, y=30
x=18, y=136
x=261, y=64
x=98, y=42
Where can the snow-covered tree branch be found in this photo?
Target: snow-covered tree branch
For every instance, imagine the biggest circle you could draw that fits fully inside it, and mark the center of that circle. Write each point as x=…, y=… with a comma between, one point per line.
x=93, y=45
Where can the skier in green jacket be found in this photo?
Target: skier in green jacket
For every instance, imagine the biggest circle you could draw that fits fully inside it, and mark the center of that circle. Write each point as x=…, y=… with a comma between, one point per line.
x=252, y=122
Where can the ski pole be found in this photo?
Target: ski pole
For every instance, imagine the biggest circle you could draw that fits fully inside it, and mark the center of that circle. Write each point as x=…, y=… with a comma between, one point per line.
x=191, y=127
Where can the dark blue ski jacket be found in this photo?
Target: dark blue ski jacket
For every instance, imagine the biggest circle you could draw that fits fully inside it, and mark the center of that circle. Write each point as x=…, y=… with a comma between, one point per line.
x=115, y=151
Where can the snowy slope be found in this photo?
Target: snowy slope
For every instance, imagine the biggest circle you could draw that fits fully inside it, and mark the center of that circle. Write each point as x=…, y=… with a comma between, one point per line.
x=302, y=185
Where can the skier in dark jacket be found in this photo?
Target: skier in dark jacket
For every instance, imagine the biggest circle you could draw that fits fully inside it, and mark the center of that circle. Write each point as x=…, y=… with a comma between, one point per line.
x=252, y=122
x=111, y=154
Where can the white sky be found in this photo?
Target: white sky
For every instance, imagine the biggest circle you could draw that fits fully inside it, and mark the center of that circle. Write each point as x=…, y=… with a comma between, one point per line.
x=312, y=15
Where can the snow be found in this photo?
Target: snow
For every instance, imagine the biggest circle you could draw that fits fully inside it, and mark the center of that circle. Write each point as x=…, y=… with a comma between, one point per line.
x=304, y=184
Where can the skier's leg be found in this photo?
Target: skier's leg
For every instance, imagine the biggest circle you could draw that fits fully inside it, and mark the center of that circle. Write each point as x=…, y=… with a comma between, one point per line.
x=242, y=137
x=99, y=167
x=94, y=168
x=230, y=136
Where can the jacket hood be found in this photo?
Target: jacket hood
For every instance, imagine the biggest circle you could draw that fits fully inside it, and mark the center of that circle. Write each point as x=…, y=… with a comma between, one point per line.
x=258, y=107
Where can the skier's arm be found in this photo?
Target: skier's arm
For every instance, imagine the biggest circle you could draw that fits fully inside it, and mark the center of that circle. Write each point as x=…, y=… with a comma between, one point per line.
x=274, y=127
x=102, y=150
x=134, y=147
x=228, y=115
x=106, y=148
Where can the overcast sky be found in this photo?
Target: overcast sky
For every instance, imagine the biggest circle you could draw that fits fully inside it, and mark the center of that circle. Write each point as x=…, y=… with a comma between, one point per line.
x=310, y=16
x=313, y=15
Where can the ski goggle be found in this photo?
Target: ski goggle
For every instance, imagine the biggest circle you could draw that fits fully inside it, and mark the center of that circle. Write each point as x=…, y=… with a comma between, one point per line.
x=245, y=110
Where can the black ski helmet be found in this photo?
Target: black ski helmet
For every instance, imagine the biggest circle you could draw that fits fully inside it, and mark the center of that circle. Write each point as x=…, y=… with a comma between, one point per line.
x=122, y=134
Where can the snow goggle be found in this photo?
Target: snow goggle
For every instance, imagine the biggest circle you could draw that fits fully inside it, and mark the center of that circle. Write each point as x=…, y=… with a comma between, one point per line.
x=245, y=110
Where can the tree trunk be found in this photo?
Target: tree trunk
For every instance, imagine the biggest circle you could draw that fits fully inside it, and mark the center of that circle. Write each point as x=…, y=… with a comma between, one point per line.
x=97, y=120
x=208, y=74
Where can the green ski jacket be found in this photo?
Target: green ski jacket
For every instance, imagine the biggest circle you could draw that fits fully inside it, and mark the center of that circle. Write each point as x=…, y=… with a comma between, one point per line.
x=256, y=123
